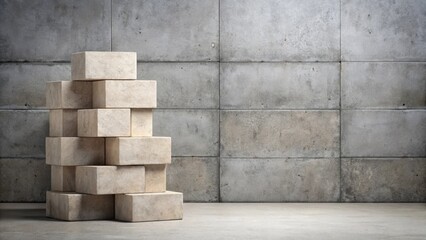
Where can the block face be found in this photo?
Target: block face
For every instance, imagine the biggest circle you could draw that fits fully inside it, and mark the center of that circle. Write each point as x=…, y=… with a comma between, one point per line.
x=383, y=30
x=62, y=178
x=103, y=65
x=63, y=123
x=279, y=85
x=189, y=29
x=194, y=132
x=280, y=133
x=383, y=85
x=76, y=207
x=278, y=30
x=196, y=177
x=155, y=178
x=125, y=94
x=198, y=83
x=383, y=179
x=385, y=133
x=149, y=206
x=68, y=95
x=103, y=122
x=101, y=180
x=74, y=151
x=138, y=150
x=279, y=179
x=141, y=122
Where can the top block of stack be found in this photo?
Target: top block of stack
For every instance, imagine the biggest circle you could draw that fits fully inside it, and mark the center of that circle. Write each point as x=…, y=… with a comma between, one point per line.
x=88, y=66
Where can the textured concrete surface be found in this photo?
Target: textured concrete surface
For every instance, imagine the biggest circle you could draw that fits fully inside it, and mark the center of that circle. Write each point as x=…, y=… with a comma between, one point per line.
x=276, y=30
x=279, y=134
x=51, y=30
x=196, y=177
x=385, y=133
x=383, y=85
x=279, y=85
x=186, y=30
x=103, y=122
x=279, y=180
x=183, y=85
x=383, y=30
x=237, y=221
x=194, y=132
x=22, y=85
x=384, y=179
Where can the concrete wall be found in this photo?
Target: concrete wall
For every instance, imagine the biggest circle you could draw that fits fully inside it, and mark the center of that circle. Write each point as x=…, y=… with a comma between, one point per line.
x=271, y=100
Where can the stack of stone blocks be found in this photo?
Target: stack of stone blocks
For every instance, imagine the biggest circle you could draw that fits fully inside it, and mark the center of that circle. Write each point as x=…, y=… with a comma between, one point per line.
x=105, y=163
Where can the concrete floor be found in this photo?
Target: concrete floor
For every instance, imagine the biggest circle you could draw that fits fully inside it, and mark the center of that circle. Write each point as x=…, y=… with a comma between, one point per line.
x=236, y=221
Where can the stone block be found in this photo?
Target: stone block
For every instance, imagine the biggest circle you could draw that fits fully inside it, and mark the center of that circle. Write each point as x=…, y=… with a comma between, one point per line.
x=71, y=206
x=101, y=180
x=155, y=178
x=74, y=151
x=383, y=133
x=194, y=132
x=63, y=123
x=62, y=178
x=383, y=85
x=189, y=29
x=68, y=95
x=125, y=94
x=383, y=30
x=149, y=206
x=277, y=30
x=103, y=122
x=279, y=85
x=103, y=65
x=383, y=179
x=141, y=122
x=280, y=133
x=196, y=177
x=279, y=180
x=138, y=150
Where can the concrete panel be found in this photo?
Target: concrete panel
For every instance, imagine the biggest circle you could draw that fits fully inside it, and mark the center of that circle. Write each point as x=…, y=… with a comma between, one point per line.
x=275, y=30
x=184, y=85
x=383, y=30
x=279, y=133
x=22, y=133
x=384, y=180
x=193, y=132
x=22, y=85
x=197, y=178
x=398, y=133
x=279, y=180
x=279, y=85
x=53, y=29
x=185, y=30
x=23, y=180
x=383, y=85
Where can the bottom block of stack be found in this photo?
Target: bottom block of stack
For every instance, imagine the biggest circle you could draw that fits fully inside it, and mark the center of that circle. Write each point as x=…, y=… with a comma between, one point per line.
x=75, y=206
x=139, y=207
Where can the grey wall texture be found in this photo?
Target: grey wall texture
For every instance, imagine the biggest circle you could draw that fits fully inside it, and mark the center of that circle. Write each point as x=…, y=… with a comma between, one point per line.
x=266, y=100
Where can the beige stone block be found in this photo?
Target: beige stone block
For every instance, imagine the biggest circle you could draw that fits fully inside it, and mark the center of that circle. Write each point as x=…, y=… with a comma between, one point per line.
x=125, y=94
x=138, y=150
x=74, y=151
x=155, y=178
x=103, y=65
x=103, y=122
x=149, y=206
x=62, y=178
x=68, y=95
x=141, y=122
x=63, y=123
x=72, y=206
x=110, y=179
